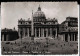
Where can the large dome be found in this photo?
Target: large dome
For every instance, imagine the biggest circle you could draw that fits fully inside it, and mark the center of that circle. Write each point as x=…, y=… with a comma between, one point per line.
x=39, y=13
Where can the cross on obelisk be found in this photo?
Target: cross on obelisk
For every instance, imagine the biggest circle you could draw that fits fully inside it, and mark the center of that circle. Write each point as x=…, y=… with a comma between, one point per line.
x=32, y=28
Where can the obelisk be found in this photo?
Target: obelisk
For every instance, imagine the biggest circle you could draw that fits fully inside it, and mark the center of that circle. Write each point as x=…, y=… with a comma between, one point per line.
x=32, y=27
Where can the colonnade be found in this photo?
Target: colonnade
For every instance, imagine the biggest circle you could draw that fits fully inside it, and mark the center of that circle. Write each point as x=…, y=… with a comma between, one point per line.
x=5, y=37
x=70, y=37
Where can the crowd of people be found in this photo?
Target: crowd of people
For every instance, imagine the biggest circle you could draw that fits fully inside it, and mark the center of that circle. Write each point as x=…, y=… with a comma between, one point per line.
x=38, y=47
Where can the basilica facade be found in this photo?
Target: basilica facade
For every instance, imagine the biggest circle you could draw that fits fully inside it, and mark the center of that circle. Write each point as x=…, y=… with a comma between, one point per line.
x=39, y=26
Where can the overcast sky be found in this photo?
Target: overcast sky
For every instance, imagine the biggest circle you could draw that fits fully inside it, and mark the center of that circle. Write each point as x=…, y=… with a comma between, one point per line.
x=11, y=12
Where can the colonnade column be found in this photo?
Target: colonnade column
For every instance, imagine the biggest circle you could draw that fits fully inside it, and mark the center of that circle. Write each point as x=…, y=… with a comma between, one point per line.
x=19, y=32
x=7, y=37
x=63, y=37
x=72, y=37
x=3, y=37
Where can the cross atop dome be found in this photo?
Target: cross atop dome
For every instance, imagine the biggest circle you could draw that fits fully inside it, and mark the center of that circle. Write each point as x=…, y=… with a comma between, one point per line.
x=39, y=8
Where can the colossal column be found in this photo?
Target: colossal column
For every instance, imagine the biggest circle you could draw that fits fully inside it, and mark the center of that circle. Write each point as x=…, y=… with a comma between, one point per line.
x=47, y=33
x=56, y=32
x=51, y=32
x=24, y=31
x=35, y=32
x=43, y=32
x=71, y=37
x=28, y=31
x=68, y=37
x=74, y=37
